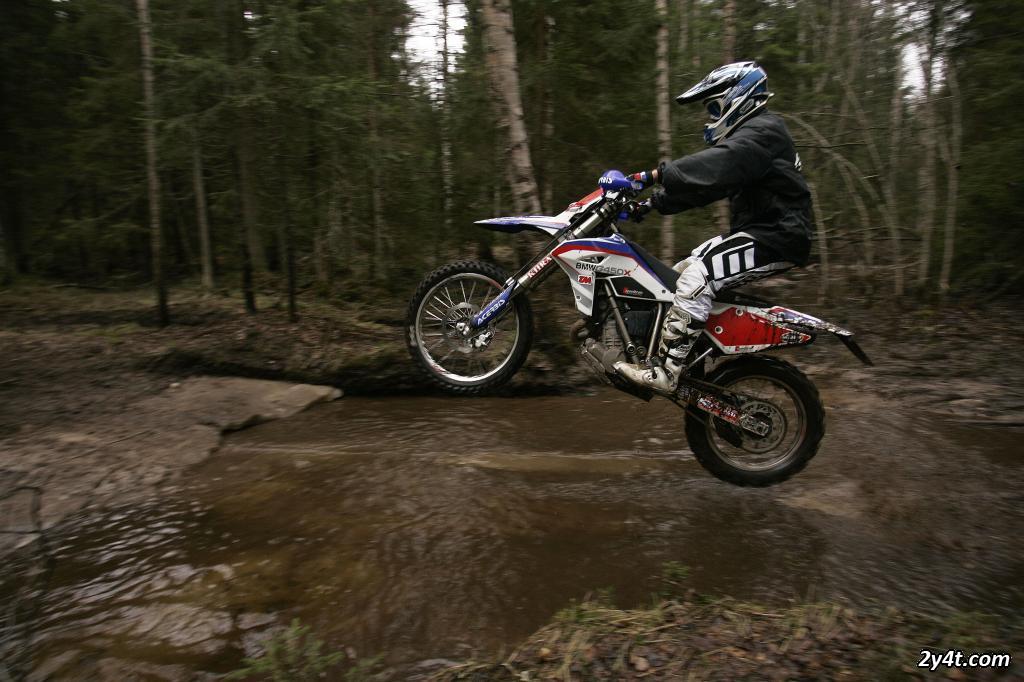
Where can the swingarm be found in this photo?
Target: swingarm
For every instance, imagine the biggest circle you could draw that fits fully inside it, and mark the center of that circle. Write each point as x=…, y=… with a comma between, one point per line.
x=718, y=402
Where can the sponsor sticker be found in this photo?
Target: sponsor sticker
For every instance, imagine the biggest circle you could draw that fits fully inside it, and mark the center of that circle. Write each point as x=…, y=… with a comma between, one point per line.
x=532, y=272
x=601, y=269
x=585, y=279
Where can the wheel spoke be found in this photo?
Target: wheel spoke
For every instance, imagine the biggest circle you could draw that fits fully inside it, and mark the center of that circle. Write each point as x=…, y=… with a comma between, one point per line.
x=452, y=300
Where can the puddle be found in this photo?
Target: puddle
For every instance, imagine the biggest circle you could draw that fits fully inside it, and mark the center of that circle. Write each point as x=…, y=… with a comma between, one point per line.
x=426, y=528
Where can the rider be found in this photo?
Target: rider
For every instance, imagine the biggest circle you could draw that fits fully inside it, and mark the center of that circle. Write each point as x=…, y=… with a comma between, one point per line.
x=752, y=161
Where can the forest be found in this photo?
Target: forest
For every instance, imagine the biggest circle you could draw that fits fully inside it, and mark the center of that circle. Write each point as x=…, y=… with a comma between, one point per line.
x=214, y=214
x=301, y=145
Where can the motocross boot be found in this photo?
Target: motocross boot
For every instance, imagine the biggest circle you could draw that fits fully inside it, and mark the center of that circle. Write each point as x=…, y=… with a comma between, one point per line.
x=662, y=372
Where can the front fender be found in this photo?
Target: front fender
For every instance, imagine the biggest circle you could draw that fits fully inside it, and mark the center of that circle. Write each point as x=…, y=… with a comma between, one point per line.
x=549, y=225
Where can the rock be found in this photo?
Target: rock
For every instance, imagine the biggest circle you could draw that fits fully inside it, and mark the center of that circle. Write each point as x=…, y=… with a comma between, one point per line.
x=230, y=404
x=183, y=626
x=639, y=663
x=544, y=654
x=248, y=621
x=116, y=669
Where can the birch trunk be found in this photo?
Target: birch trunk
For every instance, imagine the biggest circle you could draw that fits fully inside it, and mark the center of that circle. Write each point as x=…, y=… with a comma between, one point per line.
x=668, y=242
x=202, y=220
x=503, y=72
x=895, y=133
x=729, y=31
x=152, y=179
x=952, y=175
x=446, y=140
x=728, y=56
x=926, y=196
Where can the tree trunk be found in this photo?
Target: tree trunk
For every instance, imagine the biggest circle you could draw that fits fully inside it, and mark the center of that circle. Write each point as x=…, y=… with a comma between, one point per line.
x=891, y=209
x=313, y=172
x=895, y=133
x=380, y=261
x=243, y=242
x=285, y=244
x=250, y=207
x=831, y=45
x=926, y=196
x=801, y=40
x=199, y=189
x=728, y=56
x=822, y=245
x=729, y=31
x=952, y=175
x=185, y=257
x=335, y=227
x=447, y=179
x=668, y=242
x=548, y=129
x=503, y=72
x=683, y=49
x=6, y=270
x=153, y=180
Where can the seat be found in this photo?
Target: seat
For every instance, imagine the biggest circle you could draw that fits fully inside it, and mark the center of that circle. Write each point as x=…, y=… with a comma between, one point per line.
x=665, y=273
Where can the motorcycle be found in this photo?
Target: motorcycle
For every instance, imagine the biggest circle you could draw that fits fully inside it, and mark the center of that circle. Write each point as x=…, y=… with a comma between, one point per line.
x=751, y=420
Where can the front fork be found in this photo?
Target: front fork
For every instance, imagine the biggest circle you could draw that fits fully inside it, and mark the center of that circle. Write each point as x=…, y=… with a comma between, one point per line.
x=514, y=286
x=531, y=274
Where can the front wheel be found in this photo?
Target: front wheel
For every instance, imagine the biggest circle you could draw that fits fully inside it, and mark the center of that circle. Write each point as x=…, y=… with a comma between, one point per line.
x=467, y=365
x=776, y=392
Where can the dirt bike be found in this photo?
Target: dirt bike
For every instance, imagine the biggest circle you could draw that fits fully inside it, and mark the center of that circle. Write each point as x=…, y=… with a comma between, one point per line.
x=750, y=419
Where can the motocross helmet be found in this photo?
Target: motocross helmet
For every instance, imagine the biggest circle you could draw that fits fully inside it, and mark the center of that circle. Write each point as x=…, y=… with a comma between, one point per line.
x=731, y=94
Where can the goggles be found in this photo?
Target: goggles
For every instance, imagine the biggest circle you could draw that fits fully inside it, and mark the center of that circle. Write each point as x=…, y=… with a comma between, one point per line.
x=715, y=106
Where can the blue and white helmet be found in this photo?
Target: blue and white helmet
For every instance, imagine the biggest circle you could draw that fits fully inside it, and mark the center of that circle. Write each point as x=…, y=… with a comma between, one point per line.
x=731, y=94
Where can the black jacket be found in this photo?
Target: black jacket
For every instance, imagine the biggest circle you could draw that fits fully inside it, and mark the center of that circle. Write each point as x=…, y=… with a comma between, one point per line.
x=755, y=167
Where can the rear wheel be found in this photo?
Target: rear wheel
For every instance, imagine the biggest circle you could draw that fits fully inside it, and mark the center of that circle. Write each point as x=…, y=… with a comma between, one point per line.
x=776, y=392
x=467, y=365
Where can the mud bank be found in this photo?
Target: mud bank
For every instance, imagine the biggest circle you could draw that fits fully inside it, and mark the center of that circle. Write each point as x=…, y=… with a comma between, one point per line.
x=724, y=639
x=120, y=457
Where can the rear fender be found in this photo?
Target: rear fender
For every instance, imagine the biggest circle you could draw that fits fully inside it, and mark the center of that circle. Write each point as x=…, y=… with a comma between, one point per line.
x=800, y=320
x=737, y=329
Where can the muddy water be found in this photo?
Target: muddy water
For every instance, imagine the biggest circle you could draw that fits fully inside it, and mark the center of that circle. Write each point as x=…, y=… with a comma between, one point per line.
x=423, y=528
